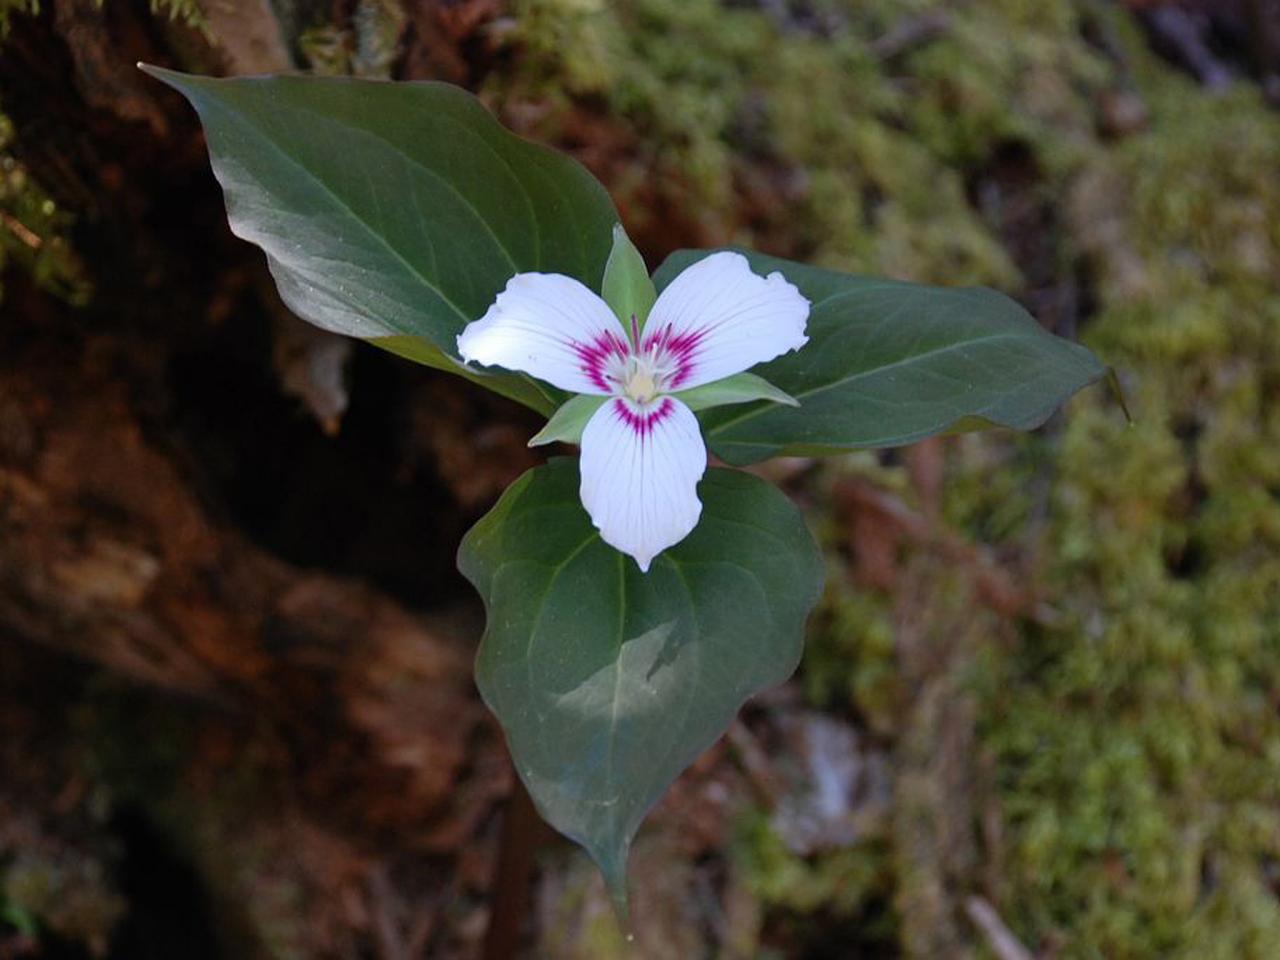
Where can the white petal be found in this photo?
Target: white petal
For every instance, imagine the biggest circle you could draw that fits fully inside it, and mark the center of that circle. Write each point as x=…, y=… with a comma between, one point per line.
x=640, y=472
x=718, y=318
x=551, y=327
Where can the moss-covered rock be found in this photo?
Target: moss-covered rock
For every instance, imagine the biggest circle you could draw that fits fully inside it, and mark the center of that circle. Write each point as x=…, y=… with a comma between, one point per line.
x=1091, y=743
x=1131, y=725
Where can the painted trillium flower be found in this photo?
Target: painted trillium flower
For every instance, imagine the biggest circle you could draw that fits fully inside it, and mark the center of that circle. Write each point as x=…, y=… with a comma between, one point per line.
x=642, y=452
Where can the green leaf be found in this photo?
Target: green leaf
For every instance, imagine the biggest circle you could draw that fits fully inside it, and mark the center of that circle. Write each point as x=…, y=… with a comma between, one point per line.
x=394, y=209
x=609, y=682
x=567, y=424
x=888, y=363
x=627, y=287
x=740, y=388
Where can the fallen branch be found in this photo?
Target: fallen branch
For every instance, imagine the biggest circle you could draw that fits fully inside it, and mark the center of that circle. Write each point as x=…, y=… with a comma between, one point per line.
x=999, y=937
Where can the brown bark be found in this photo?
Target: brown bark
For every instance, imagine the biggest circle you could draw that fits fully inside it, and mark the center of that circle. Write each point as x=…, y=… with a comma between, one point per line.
x=231, y=634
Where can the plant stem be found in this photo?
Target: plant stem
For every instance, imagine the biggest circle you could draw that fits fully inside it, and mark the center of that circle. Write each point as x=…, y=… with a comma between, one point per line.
x=512, y=875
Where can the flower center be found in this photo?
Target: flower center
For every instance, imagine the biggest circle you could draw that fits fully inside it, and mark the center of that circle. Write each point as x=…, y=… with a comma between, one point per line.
x=642, y=382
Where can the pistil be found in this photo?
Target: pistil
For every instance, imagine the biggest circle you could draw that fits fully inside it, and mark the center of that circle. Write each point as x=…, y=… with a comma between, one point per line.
x=640, y=384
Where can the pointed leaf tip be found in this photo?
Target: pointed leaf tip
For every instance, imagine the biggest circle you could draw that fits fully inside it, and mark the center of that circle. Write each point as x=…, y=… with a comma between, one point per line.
x=613, y=867
x=162, y=74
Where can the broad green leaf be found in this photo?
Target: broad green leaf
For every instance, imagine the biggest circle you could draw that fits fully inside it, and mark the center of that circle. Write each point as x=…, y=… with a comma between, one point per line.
x=740, y=388
x=394, y=209
x=609, y=682
x=627, y=287
x=567, y=424
x=888, y=363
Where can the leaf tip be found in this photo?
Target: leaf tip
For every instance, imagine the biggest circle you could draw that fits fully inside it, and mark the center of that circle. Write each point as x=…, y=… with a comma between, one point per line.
x=170, y=78
x=610, y=856
x=154, y=72
x=615, y=881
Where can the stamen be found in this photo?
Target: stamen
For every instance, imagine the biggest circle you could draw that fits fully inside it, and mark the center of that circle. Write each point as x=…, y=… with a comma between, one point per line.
x=674, y=354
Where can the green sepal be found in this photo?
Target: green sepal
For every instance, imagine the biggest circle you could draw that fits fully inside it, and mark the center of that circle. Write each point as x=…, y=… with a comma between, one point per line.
x=740, y=388
x=567, y=423
x=627, y=287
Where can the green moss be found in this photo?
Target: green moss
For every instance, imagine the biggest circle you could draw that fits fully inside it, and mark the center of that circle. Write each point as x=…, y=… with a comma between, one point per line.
x=701, y=85
x=34, y=230
x=367, y=48
x=9, y=7
x=63, y=892
x=181, y=11
x=1132, y=728
x=18, y=917
x=851, y=659
x=844, y=882
x=1136, y=740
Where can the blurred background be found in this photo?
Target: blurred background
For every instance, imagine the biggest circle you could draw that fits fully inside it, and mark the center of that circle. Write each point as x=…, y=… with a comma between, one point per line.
x=1039, y=715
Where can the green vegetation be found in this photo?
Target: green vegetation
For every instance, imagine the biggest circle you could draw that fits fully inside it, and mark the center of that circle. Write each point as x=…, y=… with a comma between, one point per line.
x=34, y=230
x=1126, y=731
x=9, y=7
x=1131, y=731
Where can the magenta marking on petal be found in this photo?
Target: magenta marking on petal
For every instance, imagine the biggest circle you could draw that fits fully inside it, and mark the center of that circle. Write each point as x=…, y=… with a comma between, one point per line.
x=593, y=356
x=642, y=423
x=676, y=349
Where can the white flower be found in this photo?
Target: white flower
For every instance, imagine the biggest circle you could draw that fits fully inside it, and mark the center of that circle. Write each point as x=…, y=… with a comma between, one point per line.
x=642, y=453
